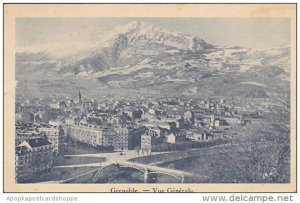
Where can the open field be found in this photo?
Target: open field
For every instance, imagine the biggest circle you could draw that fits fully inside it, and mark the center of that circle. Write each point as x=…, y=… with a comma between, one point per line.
x=75, y=160
x=59, y=174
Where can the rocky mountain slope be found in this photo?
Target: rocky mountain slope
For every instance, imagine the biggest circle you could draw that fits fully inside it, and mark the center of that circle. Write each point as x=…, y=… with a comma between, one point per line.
x=141, y=59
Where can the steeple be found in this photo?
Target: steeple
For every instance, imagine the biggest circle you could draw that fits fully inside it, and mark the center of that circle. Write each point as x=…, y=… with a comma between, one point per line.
x=79, y=97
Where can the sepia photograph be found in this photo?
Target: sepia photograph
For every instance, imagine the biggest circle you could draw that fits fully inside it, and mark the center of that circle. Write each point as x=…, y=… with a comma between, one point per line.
x=138, y=102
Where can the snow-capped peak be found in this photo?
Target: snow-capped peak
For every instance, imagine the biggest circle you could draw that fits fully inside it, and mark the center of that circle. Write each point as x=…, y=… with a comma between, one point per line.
x=130, y=33
x=137, y=31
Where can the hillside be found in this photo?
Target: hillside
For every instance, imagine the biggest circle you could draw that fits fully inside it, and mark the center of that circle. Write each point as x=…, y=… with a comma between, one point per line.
x=141, y=59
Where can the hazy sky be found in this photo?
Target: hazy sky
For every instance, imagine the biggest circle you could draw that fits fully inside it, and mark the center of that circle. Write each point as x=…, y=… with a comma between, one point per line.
x=246, y=32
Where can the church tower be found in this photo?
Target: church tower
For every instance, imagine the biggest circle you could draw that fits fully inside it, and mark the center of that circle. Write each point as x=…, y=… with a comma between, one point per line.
x=79, y=98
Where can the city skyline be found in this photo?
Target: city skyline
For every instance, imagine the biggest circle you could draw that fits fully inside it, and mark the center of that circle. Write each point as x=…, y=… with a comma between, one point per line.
x=129, y=90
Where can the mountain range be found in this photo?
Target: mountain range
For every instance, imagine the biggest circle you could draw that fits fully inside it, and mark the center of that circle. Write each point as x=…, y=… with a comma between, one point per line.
x=142, y=59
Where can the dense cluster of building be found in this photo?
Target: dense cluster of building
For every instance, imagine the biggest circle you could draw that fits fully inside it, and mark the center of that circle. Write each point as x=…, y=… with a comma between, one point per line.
x=33, y=157
x=50, y=123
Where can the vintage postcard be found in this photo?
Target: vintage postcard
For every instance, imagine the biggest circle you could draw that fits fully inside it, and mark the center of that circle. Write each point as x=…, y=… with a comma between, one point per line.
x=149, y=98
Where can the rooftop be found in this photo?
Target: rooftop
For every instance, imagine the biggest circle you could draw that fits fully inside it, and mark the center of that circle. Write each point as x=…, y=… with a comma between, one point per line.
x=38, y=142
x=21, y=150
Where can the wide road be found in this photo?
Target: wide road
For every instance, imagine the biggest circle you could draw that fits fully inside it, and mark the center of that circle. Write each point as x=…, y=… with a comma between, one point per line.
x=111, y=158
x=115, y=157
